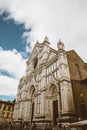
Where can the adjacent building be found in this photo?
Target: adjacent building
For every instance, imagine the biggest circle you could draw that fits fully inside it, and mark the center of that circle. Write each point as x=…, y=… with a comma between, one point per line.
x=6, y=111
x=54, y=87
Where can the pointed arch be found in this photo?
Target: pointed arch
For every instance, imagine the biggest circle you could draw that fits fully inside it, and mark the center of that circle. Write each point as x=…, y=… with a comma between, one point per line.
x=52, y=89
x=31, y=91
x=78, y=71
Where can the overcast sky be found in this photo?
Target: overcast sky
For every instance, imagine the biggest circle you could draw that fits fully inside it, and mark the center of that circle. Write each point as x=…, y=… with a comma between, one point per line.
x=25, y=21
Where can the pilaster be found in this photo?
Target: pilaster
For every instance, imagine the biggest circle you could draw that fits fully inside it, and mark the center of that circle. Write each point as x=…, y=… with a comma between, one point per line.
x=66, y=93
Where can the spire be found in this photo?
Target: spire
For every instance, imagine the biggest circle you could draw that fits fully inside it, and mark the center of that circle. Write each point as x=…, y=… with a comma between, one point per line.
x=37, y=42
x=46, y=40
x=60, y=45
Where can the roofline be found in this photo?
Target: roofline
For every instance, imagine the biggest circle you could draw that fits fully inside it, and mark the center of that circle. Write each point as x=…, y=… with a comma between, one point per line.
x=76, y=54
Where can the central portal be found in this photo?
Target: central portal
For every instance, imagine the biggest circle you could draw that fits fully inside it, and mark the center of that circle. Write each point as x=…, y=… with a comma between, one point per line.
x=55, y=112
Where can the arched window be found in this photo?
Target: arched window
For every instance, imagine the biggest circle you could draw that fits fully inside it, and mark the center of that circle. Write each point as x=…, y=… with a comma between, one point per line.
x=78, y=71
x=35, y=62
x=32, y=94
x=8, y=114
x=53, y=89
x=9, y=108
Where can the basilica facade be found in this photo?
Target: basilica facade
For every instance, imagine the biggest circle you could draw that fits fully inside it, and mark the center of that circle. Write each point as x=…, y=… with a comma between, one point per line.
x=54, y=87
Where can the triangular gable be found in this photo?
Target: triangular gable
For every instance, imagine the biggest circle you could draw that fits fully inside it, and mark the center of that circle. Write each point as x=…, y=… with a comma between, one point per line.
x=37, y=48
x=52, y=54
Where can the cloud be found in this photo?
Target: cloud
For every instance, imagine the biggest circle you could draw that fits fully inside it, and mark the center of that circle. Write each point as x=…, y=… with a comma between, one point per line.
x=59, y=19
x=8, y=85
x=12, y=62
x=13, y=65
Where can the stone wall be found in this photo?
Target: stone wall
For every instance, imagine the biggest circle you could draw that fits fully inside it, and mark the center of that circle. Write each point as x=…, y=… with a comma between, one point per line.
x=74, y=59
x=78, y=77
x=80, y=97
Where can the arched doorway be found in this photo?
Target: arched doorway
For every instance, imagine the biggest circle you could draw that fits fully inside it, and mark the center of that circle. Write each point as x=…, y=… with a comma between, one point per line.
x=54, y=95
x=32, y=93
x=55, y=112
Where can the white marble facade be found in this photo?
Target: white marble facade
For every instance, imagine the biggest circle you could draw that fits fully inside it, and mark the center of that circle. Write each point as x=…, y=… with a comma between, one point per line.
x=45, y=91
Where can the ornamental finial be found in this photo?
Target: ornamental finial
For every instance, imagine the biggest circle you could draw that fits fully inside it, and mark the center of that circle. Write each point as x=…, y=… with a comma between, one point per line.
x=46, y=39
x=60, y=45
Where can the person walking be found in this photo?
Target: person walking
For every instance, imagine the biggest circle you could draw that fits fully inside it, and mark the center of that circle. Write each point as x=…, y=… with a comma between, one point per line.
x=33, y=126
x=45, y=127
x=49, y=127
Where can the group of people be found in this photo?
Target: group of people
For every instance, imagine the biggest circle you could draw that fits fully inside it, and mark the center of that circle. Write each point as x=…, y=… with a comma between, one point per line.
x=46, y=127
x=7, y=125
x=33, y=126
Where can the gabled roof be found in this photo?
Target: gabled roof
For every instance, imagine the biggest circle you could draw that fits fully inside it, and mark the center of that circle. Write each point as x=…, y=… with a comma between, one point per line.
x=74, y=54
x=37, y=48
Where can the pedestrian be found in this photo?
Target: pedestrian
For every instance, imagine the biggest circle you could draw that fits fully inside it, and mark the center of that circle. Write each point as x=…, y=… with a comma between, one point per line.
x=45, y=127
x=33, y=126
x=64, y=127
x=49, y=126
x=0, y=126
